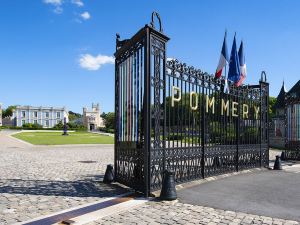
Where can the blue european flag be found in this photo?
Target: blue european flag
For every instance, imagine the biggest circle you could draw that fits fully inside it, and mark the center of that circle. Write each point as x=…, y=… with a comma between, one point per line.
x=234, y=64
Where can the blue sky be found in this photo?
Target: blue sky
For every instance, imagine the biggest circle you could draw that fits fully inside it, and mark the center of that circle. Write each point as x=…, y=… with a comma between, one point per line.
x=59, y=52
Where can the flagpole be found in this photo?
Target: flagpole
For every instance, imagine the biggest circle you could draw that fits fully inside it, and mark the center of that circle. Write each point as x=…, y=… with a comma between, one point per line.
x=223, y=93
x=225, y=72
x=225, y=63
x=227, y=51
x=225, y=77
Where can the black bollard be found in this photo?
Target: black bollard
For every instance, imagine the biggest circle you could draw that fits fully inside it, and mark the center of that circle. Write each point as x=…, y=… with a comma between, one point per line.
x=217, y=162
x=282, y=157
x=109, y=174
x=168, y=191
x=277, y=164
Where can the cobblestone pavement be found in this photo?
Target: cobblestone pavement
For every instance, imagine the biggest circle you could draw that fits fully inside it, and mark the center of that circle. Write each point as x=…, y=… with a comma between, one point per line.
x=154, y=213
x=36, y=181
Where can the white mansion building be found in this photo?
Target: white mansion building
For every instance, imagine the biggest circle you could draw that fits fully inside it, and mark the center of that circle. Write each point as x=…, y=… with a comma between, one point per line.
x=48, y=117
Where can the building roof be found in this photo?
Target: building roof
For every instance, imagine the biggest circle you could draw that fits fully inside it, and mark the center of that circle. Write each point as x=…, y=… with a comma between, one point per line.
x=280, y=102
x=28, y=107
x=295, y=90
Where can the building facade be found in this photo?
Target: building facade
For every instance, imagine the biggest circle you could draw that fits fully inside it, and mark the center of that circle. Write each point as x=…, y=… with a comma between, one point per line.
x=293, y=116
x=285, y=129
x=91, y=118
x=47, y=117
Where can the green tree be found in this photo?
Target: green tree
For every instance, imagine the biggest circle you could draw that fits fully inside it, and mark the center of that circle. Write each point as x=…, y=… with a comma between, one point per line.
x=8, y=111
x=74, y=116
x=59, y=125
x=272, y=101
x=109, y=120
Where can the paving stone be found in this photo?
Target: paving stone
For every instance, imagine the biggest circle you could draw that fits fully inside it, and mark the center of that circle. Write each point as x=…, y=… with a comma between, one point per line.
x=36, y=180
x=179, y=211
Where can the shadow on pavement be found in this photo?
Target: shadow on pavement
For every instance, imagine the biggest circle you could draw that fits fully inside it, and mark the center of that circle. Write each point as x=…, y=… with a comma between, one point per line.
x=79, y=188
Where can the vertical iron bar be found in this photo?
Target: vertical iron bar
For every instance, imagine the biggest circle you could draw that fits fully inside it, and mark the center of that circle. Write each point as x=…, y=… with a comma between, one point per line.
x=237, y=131
x=147, y=112
x=203, y=130
x=267, y=121
x=165, y=107
x=261, y=122
x=116, y=115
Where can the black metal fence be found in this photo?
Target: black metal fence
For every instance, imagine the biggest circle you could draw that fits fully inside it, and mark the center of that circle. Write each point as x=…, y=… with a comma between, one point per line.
x=292, y=151
x=173, y=116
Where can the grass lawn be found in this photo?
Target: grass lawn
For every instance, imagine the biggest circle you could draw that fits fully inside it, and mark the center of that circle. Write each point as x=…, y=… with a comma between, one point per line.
x=55, y=138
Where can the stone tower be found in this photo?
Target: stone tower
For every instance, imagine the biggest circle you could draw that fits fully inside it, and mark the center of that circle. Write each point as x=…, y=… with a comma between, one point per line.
x=91, y=118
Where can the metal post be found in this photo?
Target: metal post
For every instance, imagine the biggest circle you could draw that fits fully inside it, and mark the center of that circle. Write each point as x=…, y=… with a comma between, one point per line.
x=147, y=112
x=261, y=122
x=157, y=89
x=116, y=107
x=237, y=133
x=264, y=116
x=203, y=132
x=165, y=109
x=267, y=120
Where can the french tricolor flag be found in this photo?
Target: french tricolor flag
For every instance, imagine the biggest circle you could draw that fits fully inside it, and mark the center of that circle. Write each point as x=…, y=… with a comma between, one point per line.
x=242, y=65
x=224, y=58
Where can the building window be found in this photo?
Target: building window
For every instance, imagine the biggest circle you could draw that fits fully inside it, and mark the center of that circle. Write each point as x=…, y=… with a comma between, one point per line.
x=23, y=114
x=47, y=114
x=23, y=122
x=58, y=115
x=47, y=123
x=35, y=114
x=35, y=122
x=92, y=118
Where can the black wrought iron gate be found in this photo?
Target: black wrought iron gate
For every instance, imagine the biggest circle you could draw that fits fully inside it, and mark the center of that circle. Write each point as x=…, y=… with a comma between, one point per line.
x=173, y=116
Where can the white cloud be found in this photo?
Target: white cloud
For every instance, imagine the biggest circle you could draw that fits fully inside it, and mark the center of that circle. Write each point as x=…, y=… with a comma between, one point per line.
x=85, y=16
x=58, y=10
x=53, y=2
x=78, y=3
x=57, y=4
x=90, y=62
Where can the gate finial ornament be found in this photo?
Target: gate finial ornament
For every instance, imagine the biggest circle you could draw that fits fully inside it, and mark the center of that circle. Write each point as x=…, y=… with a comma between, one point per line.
x=159, y=20
x=263, y=76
